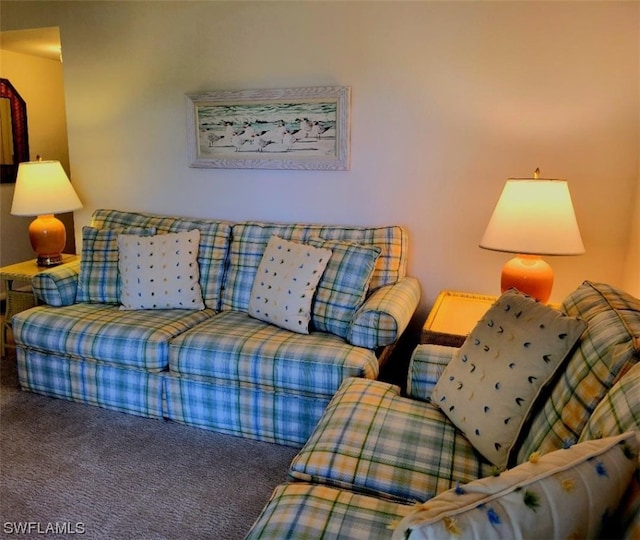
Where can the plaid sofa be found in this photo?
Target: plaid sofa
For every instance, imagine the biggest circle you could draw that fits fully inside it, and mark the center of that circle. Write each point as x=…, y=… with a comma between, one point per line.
x=216, y=368
x=376, y=454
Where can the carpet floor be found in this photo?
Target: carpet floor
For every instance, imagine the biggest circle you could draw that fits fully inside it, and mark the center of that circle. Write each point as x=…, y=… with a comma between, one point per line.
x=74, y=469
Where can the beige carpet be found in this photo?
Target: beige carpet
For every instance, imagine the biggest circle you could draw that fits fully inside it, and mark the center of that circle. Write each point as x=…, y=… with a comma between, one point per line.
x=114, y=476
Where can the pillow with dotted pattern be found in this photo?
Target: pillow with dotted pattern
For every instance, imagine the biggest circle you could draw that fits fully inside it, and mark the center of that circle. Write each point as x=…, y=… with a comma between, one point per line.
x=569, y=493
x=160, y=272
x=285, y=283
x=489, y=389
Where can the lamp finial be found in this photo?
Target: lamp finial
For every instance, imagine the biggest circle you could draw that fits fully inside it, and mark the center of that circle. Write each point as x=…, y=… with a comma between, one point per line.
x=536, y=173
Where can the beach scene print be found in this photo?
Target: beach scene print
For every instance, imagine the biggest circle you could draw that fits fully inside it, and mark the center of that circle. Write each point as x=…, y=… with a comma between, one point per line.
x=291, y=129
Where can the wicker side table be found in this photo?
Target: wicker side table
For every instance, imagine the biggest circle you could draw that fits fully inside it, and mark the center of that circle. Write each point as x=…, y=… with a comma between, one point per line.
x=453, y=316
x=16, y=279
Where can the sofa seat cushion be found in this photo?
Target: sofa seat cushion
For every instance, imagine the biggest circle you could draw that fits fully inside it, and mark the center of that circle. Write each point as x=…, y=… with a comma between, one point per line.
x=236, y=347
x=301, y=510
x=103, y=333
x=372, y=440
x=607, y=350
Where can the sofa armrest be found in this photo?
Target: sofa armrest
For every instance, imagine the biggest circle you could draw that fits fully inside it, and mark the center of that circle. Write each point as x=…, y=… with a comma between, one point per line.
x=383, y=317
x=426, y=365
x=57, y=286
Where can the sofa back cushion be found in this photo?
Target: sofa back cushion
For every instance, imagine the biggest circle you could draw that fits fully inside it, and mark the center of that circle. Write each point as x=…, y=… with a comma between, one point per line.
x=213, y=248
x=619, y=410
x=250, y=240
x=607, y=350
x=99, y=281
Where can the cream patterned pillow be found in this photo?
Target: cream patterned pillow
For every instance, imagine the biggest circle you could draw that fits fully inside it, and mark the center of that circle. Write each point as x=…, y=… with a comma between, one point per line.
x=160, y=272
x=285, y=283
x=490, y=387
x=569, y=493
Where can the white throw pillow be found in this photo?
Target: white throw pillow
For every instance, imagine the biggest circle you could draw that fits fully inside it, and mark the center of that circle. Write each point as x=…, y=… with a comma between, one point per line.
x=160, y=272
x=569, y=493
x=285, y=283
x=490, y=387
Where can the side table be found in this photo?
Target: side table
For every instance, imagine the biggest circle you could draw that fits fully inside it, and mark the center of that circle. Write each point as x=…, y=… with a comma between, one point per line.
x=453, y=316
x=19, y=294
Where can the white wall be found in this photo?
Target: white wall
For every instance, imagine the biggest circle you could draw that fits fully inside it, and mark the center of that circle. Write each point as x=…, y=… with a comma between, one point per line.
x=449, y=99
x=632, y=266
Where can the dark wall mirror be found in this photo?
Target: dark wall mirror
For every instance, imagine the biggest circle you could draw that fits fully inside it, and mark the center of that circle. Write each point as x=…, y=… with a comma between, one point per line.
x=14, y=136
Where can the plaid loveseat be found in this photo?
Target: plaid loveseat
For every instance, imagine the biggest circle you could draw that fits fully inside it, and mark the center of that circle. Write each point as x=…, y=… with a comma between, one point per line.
x=217, y=368
x=382, y=465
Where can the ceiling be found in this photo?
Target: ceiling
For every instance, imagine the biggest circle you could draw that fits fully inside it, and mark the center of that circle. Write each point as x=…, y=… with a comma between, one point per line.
x=44, y=42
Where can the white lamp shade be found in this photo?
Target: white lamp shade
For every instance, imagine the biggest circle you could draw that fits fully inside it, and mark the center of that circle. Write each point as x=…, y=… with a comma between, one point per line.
x=534, y=217
x=42, y=187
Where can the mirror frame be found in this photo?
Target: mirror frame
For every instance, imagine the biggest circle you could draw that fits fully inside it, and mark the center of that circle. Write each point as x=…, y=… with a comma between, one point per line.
x=19, y=129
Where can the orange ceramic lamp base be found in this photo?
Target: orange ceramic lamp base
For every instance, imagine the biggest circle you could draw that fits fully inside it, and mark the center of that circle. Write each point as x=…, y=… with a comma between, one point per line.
x=48, y=237
x=530, y=275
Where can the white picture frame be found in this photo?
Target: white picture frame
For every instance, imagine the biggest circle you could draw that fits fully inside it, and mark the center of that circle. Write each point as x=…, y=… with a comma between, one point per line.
x=288, y=128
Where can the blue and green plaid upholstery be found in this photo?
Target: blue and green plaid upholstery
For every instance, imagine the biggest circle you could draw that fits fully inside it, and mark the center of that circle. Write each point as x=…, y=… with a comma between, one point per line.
x=232, y=346
x=103, y=333
x=619, y=410
x=127, y=390
x=250, y=239
x=607, y=349
x=224, y=371
x=372, y=440
x=385, y=314
x=57, y=286
x=307, y=512
x=99, y=279
x=425, y=367
x=249, y=411
x=214, y=243
x=343, y=285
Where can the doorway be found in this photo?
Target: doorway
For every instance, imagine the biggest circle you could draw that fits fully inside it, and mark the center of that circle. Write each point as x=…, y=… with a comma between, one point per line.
x=32, y=61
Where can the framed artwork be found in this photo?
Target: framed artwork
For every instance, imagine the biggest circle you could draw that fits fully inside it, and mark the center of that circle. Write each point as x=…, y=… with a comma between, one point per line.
x=14, y=134
x=287, y=128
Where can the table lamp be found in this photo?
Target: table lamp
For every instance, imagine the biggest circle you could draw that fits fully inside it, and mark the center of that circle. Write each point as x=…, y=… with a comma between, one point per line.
x=533, y=217
x=43, y=189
